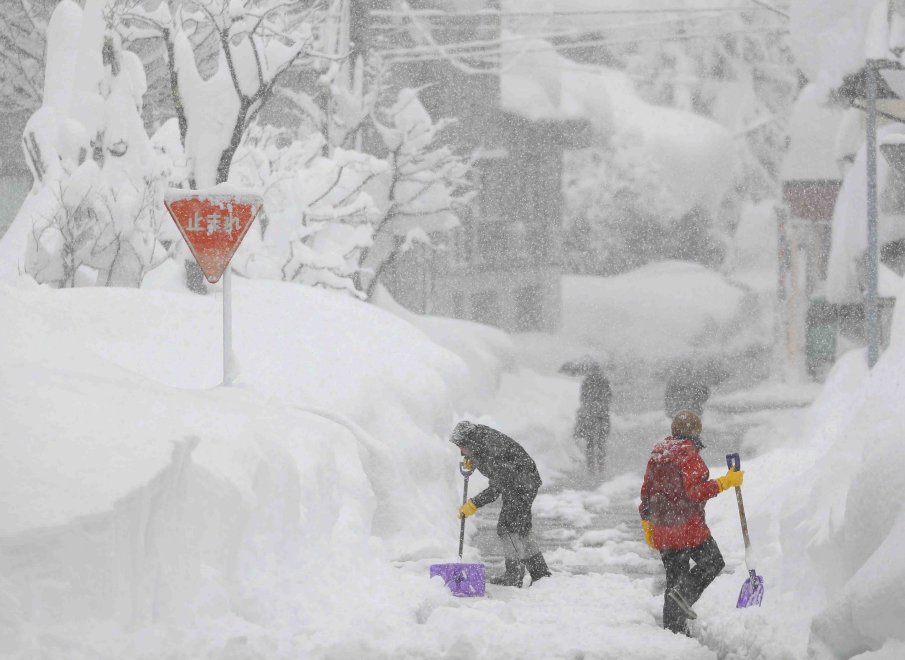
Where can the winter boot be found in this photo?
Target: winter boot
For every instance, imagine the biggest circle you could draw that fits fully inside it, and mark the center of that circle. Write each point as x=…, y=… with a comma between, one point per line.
x=675, y=596
x=537, y=567
x=515, y=573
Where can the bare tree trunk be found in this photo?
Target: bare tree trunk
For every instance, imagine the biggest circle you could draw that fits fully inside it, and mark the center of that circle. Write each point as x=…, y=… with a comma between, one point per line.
x=391, y=257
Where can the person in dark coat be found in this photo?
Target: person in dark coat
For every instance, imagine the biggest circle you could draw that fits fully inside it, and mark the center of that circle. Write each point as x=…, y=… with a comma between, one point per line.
x=592, y=423
x=676, y=487
x=513, y=476
x=685, y=391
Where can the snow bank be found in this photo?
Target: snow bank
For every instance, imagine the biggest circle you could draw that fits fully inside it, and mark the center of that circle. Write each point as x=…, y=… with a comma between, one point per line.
x=827, y=518
x=488, y=352
x=856, y=546
x=136, y=497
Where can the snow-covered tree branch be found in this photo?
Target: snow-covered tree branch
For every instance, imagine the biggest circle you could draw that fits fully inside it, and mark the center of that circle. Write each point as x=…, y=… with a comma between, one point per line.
x=22, y=46
x=427, y=186
x=258, y=41
x=97, y=178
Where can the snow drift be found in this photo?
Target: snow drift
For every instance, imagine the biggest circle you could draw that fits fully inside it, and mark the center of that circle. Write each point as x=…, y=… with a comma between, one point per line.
x=137, y=495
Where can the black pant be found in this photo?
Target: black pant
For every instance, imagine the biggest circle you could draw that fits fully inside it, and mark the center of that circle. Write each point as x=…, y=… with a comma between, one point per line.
x=690, y=582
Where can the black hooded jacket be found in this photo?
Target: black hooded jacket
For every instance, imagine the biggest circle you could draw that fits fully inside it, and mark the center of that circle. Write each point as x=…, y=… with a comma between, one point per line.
x=507, y=466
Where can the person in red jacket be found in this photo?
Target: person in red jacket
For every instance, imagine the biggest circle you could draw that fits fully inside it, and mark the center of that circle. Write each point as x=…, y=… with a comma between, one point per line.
x=676, y=487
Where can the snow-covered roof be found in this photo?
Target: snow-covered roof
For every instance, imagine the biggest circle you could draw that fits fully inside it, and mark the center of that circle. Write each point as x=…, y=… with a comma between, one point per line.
x=832, y=38
x=812, y=130
x=695, y=155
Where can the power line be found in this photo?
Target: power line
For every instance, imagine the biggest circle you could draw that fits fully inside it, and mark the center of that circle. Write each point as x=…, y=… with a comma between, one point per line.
x=428, y=14
x=487, y=55
x=770, y=7
x=460, y=46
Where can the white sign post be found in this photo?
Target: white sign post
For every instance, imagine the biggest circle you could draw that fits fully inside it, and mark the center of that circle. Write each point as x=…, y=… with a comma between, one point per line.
x=213, y=224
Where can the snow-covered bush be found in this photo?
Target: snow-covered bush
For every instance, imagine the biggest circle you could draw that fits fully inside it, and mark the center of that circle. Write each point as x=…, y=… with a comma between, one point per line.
x=91, y=160
x=257, y=42
x=427, y=186
x=337, y=220
x=334, y=214
x=319, y=211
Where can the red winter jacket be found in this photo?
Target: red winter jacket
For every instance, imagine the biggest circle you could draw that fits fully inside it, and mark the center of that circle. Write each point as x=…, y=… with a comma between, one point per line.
x=676, y=486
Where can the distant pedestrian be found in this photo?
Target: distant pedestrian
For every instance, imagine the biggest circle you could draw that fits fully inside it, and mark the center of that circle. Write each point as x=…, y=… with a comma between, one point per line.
x=513, y=475
x=592, y=422
x=686, y=389
x=676, y=487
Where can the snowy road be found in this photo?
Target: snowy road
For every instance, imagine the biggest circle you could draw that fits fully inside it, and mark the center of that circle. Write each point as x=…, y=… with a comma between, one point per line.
x=583, y=522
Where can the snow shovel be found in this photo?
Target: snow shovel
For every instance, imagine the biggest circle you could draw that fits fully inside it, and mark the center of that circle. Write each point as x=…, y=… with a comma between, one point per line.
x=462, y=579
x=752, y=592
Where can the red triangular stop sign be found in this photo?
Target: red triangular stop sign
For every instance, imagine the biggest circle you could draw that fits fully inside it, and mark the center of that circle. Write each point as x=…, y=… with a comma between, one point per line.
x=213, y=223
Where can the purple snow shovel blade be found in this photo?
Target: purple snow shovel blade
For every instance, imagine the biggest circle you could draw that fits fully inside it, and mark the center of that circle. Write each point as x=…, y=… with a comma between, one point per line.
x=752, y=592
x=462, y=579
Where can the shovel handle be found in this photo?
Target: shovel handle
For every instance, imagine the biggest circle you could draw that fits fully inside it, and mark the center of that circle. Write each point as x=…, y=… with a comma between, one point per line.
x=466, y=474
x=734, y=462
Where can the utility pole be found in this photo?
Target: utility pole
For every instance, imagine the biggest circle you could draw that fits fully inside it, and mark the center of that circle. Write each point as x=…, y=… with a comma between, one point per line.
x=871, y=308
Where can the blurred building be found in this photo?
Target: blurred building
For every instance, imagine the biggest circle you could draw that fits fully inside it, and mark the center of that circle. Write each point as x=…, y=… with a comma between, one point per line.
x=812, y=174
x=502, y=266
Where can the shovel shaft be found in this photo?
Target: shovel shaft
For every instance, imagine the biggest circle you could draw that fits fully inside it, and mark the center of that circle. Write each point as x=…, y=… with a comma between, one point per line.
x=462, y=527
x=741, y=516
x=734, y=462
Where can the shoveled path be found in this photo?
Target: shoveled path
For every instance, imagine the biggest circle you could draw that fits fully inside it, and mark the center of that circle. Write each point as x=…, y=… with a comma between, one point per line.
x=587, y=524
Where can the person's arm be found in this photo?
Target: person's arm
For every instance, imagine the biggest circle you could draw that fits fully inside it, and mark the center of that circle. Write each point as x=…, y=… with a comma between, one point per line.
x=644, y=508
x=695, y=479
x=486, y=496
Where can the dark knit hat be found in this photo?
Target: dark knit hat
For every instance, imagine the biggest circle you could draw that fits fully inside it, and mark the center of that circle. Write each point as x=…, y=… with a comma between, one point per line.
x=461, y=432
x=687, y=425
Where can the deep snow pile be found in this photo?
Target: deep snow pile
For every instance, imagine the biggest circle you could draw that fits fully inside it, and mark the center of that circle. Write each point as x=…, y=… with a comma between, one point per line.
x=851, y=524
x=137, y=493
x=826, y=514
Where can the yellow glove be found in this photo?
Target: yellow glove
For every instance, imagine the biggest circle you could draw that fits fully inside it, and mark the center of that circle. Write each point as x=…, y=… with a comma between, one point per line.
x=732, y=479
x=648, y=533
x=467, y=464
x=467, y=509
